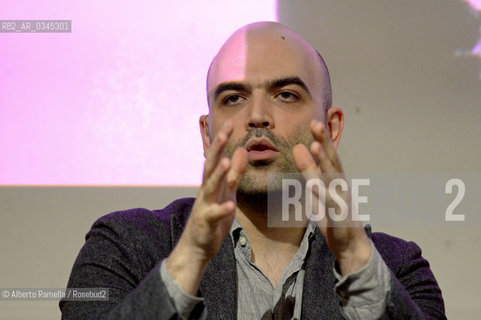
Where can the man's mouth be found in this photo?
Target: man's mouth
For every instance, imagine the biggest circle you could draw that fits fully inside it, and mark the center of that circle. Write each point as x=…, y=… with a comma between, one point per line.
x=260, y=149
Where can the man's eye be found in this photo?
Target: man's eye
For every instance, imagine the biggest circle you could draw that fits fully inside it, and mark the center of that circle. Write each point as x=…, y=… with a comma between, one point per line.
x=288, y=96
x=233, y=99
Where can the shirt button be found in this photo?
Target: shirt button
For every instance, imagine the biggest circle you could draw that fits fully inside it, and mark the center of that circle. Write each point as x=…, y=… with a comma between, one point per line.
x=242, y=241
x=343, y=294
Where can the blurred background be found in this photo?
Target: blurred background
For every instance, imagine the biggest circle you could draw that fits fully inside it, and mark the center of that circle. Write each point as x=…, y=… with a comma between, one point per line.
x=106, y=117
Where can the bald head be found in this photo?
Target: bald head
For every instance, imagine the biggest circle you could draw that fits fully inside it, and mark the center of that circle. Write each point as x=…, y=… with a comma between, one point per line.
x=263, y=48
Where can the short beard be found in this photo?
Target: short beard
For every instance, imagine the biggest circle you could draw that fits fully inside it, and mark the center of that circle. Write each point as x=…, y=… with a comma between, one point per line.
x=264, y=177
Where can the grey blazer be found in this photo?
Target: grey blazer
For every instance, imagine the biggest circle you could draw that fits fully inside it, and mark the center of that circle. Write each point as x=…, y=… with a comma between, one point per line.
x=123, y=251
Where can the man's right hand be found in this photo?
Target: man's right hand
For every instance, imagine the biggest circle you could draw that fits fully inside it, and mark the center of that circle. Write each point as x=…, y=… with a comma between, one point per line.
x=212, y=214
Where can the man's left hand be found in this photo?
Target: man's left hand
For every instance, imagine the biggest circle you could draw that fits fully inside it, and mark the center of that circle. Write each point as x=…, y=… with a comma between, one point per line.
x=346, y=238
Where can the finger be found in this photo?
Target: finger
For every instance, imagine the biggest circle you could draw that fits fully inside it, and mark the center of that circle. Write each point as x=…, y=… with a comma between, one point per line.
x=221, y=211
x=214, y=183
x=319, y=154
x=238, y=167
x=216, y=149
x=320, y=134
x=304, y=162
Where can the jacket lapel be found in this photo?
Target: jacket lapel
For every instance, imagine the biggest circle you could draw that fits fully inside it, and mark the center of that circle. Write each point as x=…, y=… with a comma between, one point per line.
x=219, y=284
x=319, y=301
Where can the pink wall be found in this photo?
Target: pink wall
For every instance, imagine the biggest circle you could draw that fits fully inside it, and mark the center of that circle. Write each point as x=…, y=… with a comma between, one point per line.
x=117, y=100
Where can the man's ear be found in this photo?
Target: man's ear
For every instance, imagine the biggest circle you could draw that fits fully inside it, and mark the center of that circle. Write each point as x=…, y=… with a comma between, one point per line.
x=335, y=124
x=204, y=132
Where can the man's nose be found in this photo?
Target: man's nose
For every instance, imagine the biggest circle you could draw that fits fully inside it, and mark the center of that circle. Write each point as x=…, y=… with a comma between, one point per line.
x=259, y=114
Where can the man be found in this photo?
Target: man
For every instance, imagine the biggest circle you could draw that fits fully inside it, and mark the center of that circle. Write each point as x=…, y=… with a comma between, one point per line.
x=215, y=256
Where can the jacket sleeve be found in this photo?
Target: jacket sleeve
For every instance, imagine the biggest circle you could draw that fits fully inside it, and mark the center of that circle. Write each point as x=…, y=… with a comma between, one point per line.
x=110, y=259
x=414, y=292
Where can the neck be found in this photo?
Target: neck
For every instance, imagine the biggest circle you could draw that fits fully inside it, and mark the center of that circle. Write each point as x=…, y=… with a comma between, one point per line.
x=253, y=214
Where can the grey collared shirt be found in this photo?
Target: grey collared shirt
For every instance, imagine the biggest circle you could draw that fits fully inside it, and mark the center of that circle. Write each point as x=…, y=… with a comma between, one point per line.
x=362, y=294
x=257, y=298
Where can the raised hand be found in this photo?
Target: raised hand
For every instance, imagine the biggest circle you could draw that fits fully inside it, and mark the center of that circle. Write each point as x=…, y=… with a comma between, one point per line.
x=346, y=238
x=212, y=214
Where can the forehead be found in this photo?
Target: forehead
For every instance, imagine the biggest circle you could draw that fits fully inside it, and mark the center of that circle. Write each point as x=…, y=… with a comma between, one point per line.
x=259, y=56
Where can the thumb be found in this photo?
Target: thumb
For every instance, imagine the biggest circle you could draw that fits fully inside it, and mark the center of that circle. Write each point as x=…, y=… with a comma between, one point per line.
x=304, y=162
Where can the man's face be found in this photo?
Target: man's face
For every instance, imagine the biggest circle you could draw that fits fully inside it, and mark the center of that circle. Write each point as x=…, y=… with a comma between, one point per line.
x=269, y=84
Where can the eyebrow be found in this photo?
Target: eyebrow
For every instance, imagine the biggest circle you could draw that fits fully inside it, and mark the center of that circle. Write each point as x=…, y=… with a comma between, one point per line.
x=275, y=84
x=234, y=86
x=272, y=84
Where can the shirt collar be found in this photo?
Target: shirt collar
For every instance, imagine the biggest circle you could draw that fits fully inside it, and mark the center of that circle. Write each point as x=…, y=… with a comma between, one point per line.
x=236, y=228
